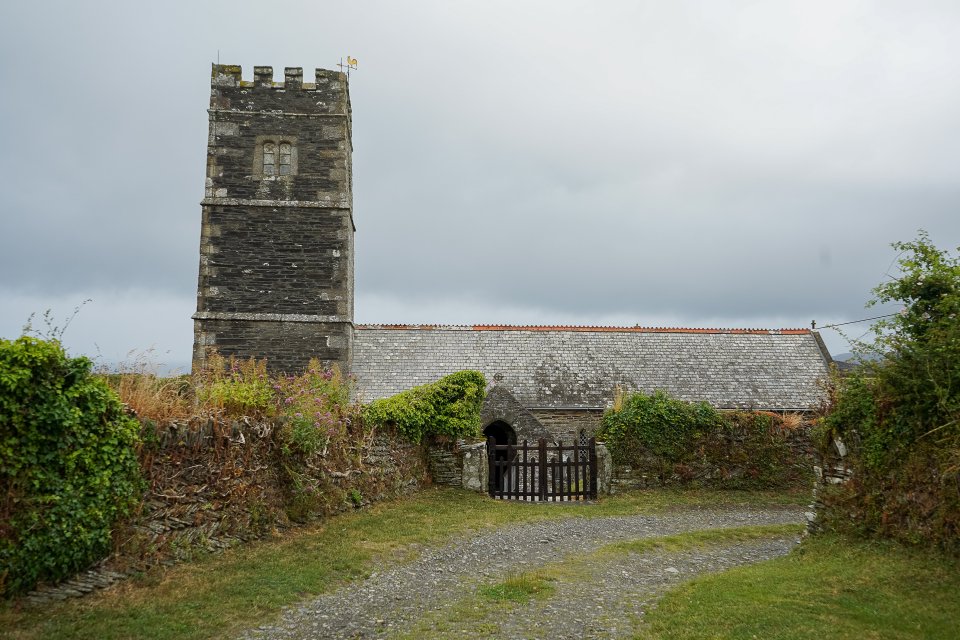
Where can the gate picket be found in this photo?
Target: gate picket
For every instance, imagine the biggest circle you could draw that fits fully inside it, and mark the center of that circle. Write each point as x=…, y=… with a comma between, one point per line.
x=524, y=492
x=560, y=464
x=576, y=464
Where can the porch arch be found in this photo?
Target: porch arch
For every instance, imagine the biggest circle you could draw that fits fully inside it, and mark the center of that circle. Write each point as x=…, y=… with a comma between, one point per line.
x=501, y=431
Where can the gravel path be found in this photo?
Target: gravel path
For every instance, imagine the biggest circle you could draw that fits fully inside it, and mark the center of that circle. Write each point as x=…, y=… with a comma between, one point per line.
x=615, y=590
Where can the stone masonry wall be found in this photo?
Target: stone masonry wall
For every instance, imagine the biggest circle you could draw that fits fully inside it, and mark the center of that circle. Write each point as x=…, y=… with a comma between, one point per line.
x=281, y=260
x=287, y=346
x=213, y=485
x=446, y=464
x=565, y=425
x=736, y=462
x=499, y=405
x=460, y=464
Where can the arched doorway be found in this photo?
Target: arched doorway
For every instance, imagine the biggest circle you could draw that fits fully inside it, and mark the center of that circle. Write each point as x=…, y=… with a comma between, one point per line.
x=503, y=434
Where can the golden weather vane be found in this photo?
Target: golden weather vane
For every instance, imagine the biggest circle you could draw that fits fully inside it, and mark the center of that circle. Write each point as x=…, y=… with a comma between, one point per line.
x=351, y=64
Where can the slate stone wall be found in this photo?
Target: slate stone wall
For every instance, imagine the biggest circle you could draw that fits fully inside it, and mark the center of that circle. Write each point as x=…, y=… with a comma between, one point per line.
x=214, y=485
x=276, y=270
x=832, y=467
x=314, y=117
x=565, y=424
x=445, y=462
x=727, y=462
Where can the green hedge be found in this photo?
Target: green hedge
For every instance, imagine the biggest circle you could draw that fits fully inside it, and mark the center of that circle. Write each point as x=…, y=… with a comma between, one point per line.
x=655, y=424
x=449, y=407
x=679, y=442
x=899, y=416
x=68, y=464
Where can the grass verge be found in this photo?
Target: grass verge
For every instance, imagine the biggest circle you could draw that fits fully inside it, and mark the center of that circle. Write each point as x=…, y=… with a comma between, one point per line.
x=694, y=539
x=246, y=586
x=829, y=587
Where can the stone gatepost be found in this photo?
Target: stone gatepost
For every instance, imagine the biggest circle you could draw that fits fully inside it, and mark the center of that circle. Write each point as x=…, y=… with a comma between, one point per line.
x=834, y=468
x=475, y=467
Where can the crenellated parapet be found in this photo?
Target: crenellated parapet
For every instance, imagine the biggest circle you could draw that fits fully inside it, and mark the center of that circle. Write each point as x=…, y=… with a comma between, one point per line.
x=231, y=75
x=279, y=142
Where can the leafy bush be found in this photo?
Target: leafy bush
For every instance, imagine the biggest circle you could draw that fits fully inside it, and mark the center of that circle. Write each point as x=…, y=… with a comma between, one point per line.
x=317, y=408
x=320, y=428
x=655, y=424
x=68, y=464
x=449, y=407
x=773, y=451
x=901, y=413
x=913, y=392
x=693, y=443
x=235, y=386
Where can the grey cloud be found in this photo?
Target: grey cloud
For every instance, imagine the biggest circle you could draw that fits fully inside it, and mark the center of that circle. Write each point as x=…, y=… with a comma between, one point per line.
x=681, y=160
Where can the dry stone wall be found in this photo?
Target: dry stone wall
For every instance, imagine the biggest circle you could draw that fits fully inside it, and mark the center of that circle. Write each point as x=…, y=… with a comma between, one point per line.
x=726, y=461
x=460, y=464
x=212, y=485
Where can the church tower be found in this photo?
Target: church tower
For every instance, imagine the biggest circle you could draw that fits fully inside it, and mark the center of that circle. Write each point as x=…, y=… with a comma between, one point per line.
x=276, y=240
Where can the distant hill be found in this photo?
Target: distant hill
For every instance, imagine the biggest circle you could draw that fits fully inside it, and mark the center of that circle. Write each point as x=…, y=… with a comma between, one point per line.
x=852, y=357
x=163, y=370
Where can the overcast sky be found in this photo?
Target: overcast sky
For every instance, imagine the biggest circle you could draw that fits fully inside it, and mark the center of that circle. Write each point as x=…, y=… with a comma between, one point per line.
x=654, y=163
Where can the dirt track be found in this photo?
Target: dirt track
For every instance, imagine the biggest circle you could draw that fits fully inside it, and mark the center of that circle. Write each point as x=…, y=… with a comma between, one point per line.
x=606, y=599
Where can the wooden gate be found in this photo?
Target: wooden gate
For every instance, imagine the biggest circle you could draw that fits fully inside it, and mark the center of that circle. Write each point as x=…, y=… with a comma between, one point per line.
x=542, y=473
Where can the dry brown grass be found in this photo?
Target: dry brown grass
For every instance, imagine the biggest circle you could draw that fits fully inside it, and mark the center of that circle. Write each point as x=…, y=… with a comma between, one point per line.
x=149, y=395
x=154, y=398
x=791, y=421
x=785, y=421
x=619, y=395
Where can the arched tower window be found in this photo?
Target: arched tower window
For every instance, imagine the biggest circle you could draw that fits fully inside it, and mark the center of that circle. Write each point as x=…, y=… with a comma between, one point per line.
x=275, y=157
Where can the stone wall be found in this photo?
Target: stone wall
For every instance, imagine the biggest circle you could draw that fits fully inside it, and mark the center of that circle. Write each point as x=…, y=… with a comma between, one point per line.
x=532, y=424
x=913, y=499
x=730, y=464
x=445, y=462
x=566, y=424
x=459, y=464
x=287, y=345
x=499, y=405
x=213, y=485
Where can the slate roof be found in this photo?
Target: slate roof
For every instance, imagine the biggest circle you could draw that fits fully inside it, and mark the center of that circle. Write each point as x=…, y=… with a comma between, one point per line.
x=577, y=367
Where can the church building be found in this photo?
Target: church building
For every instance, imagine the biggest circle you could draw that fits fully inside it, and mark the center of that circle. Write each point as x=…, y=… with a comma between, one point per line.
x=276, y=281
